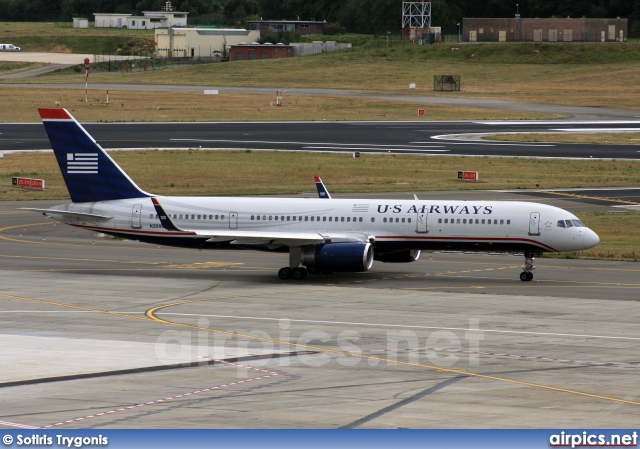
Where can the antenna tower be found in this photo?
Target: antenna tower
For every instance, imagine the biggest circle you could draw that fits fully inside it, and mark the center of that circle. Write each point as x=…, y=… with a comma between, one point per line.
x=416, y=19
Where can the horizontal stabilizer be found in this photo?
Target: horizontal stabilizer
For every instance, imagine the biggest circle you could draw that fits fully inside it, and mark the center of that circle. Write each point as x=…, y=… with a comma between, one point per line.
x=67, y=213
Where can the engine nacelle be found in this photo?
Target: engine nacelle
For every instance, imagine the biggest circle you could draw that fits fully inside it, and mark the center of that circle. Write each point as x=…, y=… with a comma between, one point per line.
x=340, y=257
x=409, y=255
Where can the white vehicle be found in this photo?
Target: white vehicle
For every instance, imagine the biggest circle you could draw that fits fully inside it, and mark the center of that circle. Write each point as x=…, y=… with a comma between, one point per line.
x=321, y=235
x=9, y=47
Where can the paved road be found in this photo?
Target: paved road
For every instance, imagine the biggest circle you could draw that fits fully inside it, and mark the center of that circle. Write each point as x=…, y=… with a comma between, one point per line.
x=428, y=138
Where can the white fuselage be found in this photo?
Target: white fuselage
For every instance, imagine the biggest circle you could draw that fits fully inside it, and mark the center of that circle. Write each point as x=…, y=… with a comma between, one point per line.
x=389, y=224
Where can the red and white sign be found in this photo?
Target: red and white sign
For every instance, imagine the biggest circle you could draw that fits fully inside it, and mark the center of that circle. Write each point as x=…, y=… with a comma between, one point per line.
x=468, y=175
x=28, y=183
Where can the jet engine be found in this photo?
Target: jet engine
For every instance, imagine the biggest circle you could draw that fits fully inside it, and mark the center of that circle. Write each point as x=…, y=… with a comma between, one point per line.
x=339, y=257
x=409, y=255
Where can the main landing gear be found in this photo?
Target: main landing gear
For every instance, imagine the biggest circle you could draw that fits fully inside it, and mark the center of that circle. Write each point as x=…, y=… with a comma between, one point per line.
x=527, y=274
x=287, y=273
x=294, y=270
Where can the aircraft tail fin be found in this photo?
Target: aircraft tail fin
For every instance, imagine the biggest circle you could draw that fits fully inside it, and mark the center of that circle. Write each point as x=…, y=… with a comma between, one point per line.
x=88, y=171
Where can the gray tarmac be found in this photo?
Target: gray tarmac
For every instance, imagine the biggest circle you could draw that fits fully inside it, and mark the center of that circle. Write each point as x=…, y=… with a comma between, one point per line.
x=102, y=333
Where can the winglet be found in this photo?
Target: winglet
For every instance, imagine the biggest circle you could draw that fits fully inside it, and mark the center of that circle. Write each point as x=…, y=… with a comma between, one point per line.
x=322, y=190
x=88, y=171
x=165, y=219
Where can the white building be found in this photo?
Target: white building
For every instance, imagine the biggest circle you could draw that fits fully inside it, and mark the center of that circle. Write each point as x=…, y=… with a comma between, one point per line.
x=150, y=20
x=200, y=42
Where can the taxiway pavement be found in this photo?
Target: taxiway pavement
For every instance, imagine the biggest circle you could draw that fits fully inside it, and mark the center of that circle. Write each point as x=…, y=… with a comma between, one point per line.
x=109, y=333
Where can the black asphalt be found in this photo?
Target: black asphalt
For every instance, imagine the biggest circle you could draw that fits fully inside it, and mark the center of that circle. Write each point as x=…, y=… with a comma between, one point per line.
x=429, y=138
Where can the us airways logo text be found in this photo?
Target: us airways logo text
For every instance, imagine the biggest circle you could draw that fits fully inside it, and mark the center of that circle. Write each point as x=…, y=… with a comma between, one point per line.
x=436, y=209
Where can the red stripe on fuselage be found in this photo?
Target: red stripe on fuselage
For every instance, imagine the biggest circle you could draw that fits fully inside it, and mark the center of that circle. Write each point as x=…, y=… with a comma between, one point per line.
x=464, y=239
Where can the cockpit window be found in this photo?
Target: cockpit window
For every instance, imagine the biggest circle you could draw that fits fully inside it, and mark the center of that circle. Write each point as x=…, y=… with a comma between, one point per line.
x=570, y=224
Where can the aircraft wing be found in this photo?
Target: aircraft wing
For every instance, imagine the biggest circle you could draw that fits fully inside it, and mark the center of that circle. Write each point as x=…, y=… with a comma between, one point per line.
x=291, y=239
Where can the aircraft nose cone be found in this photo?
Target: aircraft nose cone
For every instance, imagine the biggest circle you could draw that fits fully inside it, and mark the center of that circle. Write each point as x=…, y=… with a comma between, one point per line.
x=591, y=239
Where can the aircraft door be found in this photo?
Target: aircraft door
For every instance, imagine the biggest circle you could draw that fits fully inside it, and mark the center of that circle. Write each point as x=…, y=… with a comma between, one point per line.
x=233, y=220
x=534, y=223
x=136, y=216
x=421, y=223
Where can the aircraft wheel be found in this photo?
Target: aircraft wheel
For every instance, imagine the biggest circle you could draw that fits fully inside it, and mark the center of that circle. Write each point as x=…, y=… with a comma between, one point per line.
x=285, y=273
x=299, y=273
x=529, y=275
x=524, y=276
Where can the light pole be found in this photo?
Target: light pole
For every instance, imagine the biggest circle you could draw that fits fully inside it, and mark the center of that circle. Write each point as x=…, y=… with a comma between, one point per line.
x=388, y=33
x=517, y=11
x=458, y=31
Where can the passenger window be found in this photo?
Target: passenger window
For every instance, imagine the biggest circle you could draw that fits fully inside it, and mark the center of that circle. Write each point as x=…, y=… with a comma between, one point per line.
x=341, y=218
x=508, y=222
x=483, y=221
x=464, y=221
x=373, y=219
x=446, y=220
x=349, y=219
x=501, y=222
x=478, y=221
x=439, y=220
x=330, y=218
x=403, y=220
x=458, y=221
x=409, y=220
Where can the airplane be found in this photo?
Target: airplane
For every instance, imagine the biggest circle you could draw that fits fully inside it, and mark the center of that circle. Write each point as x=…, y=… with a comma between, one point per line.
x=9, y=47
x=321, y=235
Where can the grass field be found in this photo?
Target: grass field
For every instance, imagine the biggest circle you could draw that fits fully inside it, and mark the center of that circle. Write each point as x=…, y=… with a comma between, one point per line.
x=623, y=138
x=136, y=106
x=196, y=172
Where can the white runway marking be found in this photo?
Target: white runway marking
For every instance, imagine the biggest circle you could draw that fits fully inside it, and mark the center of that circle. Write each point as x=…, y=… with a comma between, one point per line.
x=551, y=334
x=417, y=149
x=271, y=142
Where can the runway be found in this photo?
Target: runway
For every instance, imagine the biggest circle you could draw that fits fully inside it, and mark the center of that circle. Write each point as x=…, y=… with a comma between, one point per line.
x=108, y=333
x=423, y=138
